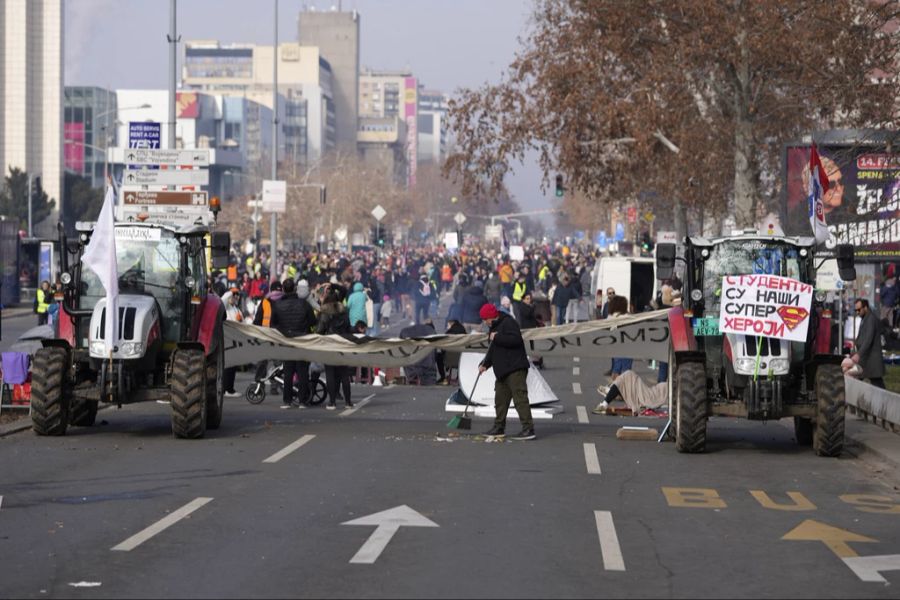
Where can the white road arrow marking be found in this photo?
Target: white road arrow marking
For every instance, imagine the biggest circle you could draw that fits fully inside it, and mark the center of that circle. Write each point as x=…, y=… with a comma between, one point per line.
x=868, y=568
x=387, y=523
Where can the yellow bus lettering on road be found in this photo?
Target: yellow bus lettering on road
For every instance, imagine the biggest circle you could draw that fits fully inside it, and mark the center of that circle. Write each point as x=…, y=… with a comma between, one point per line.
x=693, y=497
x=799, y=501
x=872, y=504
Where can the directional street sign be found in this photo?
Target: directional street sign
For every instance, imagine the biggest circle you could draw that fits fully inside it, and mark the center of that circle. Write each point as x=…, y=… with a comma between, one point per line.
x=386, y=524
x=143, y=156
x=459, y=218
x=190, y=200
x=274, y=195
x=378, y=212
x=165, y=177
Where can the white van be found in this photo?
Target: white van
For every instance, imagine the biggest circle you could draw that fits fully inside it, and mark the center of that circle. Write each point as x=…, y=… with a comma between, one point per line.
x=632, y=277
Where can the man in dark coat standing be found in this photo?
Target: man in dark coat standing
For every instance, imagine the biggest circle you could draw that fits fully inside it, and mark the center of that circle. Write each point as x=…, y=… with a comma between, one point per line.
x=293, y=317
x=506, y=355
x=868, y=345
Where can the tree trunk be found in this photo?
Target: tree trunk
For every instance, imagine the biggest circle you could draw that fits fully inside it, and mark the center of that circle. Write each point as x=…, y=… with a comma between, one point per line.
x=744, y=189
x=679, y=217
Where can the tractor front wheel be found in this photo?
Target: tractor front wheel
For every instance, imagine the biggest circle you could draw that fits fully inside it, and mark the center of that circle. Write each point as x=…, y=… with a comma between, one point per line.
x=690, y=407
x=828, y=439
x=188, y=394
x=49, y=396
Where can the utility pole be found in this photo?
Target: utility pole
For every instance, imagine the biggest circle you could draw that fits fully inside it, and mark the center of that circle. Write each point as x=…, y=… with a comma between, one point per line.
x=274, y=236
x=173, y=57
x=29, y=204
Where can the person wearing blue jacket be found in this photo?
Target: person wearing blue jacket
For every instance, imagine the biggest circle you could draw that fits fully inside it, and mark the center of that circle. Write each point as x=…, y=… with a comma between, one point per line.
x=356, y=304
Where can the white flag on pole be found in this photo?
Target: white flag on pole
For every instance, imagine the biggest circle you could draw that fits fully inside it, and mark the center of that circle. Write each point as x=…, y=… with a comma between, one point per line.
x=100, y=257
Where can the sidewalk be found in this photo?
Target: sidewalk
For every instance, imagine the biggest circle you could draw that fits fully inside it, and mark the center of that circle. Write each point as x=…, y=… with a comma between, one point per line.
x=15, y=311
x=865, y=437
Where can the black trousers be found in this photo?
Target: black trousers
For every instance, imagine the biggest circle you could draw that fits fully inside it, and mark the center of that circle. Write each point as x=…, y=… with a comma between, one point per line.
x=337, y=377
x=301, y=368
x=228, y=379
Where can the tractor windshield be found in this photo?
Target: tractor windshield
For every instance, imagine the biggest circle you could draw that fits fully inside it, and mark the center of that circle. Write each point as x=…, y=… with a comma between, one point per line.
x=148, y=261
x=746, y=257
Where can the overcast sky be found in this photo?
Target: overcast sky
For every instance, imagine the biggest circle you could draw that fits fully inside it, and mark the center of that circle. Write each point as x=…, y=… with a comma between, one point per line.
x=448, y=44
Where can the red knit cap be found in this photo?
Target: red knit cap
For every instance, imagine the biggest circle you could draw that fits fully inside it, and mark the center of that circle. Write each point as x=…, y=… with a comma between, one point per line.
x=488, y=311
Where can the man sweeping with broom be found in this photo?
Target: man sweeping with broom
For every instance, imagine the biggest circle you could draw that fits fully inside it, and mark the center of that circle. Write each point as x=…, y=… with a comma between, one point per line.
x=506, y=354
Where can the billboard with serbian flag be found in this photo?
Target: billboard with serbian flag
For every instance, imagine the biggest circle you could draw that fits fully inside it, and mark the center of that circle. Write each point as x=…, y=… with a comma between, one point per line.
x=765, y=305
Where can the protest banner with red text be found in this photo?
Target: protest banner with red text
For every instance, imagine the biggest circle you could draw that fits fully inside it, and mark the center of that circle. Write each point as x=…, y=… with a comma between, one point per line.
x=765, y=305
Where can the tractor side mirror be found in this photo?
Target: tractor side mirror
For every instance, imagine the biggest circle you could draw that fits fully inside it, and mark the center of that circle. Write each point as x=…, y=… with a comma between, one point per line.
x=845, y=261
x=665, y=261
x=221, y=247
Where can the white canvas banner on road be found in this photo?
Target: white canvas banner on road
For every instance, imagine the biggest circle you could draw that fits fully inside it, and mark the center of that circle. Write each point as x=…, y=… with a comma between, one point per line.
x=765, y=305
x=640, y=336
x=539, y=391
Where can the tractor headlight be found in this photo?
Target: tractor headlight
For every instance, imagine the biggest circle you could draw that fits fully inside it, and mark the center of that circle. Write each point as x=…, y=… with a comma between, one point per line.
x=779, y=365
x=190, y=282
x=804, y=252
x=820, y=296
x=746, y=365
x=132, y=349
x=66, y=278
x=704, y=253
x=696, y=295
x=98, y=347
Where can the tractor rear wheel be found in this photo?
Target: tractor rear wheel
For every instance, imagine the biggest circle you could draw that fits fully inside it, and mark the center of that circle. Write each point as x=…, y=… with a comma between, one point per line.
x=828, y=439
x=188, y=394
x=49, y=396
x=690, y=407
x=215, y=383
x=84, y=413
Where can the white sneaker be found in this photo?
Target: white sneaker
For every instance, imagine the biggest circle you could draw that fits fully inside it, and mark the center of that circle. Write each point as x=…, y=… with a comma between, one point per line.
x=232, y=394
x=600, y=409
x=603, y=390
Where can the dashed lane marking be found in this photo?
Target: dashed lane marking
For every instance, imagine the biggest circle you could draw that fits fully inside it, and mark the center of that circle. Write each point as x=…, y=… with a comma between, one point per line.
x=609, y=541
x=576, y=371
x=576, y=387
x=288, y=449
x=576, y=359
x=161, y=525
x=357, y=406
x=591, y=459
x=582, y=414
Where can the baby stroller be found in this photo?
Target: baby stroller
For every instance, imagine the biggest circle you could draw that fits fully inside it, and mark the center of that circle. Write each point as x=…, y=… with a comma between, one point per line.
x=256, y=391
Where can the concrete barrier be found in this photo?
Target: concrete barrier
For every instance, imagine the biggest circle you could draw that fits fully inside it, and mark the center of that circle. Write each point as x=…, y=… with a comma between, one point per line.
x=873, y=401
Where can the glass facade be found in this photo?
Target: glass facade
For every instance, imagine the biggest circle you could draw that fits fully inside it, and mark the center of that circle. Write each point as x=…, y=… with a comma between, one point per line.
x=219, y=62
x=89, y=117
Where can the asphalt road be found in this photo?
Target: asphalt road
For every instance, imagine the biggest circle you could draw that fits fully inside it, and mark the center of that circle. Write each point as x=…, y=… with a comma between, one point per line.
x=260, y=508
x=11, y=327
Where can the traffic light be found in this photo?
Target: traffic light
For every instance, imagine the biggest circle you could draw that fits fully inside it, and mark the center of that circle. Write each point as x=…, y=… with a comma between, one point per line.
x=646, y=242
x=322, y=195
x=36, y=190
x=560, y=190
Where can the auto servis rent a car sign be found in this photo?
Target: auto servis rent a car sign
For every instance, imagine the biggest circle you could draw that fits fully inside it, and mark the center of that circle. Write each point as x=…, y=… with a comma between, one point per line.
x=765, y=305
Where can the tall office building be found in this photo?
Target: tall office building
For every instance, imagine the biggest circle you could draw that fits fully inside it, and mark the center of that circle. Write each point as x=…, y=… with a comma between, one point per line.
x=337, y=36
x=31, y=89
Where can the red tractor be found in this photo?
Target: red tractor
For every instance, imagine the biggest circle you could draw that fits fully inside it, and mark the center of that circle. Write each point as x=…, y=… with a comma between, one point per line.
x=170, y=343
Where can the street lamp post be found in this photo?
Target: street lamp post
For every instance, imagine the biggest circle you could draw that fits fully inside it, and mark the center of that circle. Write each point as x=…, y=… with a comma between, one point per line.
x=106, y=135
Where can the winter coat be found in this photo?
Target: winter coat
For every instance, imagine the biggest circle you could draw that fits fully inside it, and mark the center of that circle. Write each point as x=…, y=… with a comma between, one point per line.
x=889, y=295
x=356, y=304
x=423, y=292
x=472, y=302
x=563, y=294
x=527, y=318
x=868, y=345
x=506, y=353
x=492, y=290
x=292, y=317
x=333, y=319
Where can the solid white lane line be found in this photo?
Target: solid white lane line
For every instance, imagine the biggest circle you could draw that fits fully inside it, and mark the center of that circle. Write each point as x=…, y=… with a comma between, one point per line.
x=357, y=406
x=1, y=501
x=591, y=459
x=576, y=387
x=576, y=370
x=582, y=414
x=576, y=359
x=609, y=541
x=161, y=525
x=288, y=449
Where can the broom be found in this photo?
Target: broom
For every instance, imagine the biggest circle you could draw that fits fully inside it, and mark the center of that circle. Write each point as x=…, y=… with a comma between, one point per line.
x=463, y=421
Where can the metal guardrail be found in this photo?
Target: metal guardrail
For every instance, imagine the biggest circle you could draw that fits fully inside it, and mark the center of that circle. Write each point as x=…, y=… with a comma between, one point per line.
x=870, y=401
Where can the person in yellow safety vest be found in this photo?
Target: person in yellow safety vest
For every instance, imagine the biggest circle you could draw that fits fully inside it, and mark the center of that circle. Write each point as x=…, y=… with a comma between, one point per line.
x=292, y=271
x=42, y=299
x=544, y=272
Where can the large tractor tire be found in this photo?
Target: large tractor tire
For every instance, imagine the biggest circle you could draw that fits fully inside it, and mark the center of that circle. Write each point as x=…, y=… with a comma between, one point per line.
x=803, y=430
x=690, y=407
x=215, y=383
x=188, y=394
x=828, y=439
x=49, y=394
x=83, y=413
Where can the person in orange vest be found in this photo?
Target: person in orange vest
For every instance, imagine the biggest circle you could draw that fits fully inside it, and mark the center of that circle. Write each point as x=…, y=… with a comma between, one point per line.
x=232, y=274
x=446, y=277
x=263, y=318
x=506, y=278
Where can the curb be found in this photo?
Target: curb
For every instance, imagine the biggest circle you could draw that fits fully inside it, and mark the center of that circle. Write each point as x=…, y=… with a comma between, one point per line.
x=15, y=427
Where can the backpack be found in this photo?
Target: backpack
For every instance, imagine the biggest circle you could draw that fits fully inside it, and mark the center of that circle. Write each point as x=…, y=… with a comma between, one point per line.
x=426, y=288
